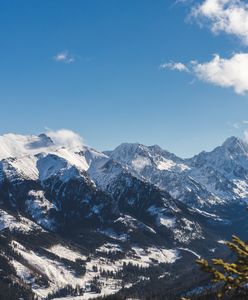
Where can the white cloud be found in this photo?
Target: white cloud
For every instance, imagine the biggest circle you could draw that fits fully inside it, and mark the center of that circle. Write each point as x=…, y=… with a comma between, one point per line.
x=174, y=66
x=182, y=1
x=228, y=16
x=246, y=135
x=236, y=125
x=232, y=72
x=225, y=72
x=65, y=138
x=64, y=57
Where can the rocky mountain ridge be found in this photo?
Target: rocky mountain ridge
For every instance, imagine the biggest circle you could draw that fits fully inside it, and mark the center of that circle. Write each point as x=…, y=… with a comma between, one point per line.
x=135, y=209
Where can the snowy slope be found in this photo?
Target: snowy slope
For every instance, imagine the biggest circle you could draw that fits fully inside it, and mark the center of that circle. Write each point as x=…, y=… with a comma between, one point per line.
x=224, y=170
x=165, y=170
x=203, y=181
x=125, y=211
x=20, y=154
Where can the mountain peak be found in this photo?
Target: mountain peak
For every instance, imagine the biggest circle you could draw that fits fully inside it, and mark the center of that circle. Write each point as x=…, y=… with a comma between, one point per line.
x=128, y=148
x=16, y=145
x=156, y=148
x=129, y=145
x=236, y=144
x=42, y=141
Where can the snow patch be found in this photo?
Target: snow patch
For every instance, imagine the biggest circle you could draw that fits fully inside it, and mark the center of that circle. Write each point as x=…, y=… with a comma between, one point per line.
x=140, y=162
x=39, y=207
x=109, y=248
x=18, y=223
x=65, y=252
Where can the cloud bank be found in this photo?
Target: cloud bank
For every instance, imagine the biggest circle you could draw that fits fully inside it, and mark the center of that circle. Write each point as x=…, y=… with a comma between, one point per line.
x=232, y=72
x=227, y=16
x=224, y=72
x=246, y=135
x=65, y=138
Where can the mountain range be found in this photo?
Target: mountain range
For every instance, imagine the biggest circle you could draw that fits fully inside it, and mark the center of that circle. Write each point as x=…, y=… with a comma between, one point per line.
x=79, y=223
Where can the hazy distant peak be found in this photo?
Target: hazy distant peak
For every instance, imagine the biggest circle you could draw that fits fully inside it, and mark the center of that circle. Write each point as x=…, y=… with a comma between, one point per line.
x=235, y=144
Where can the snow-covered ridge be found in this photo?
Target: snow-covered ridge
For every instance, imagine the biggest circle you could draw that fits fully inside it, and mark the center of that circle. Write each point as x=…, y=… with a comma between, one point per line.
x=17, y=223
x=15, y=145
x=207, y=179
x=37, y=157
x=119, y=200
x=217, y=175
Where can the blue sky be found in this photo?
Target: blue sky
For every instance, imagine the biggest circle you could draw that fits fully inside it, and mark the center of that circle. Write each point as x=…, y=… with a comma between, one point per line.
x=103, y=68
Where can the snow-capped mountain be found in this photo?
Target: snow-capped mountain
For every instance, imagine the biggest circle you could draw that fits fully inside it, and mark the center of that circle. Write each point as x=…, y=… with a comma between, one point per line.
x=69, y=211
x=225, y=169
x=210, y=178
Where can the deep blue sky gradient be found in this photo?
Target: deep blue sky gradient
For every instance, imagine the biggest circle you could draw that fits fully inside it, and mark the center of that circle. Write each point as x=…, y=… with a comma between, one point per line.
x=114, y=91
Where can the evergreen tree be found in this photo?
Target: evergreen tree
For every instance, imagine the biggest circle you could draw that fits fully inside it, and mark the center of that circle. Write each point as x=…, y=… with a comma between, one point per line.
x=231, y=278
